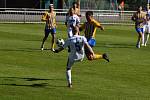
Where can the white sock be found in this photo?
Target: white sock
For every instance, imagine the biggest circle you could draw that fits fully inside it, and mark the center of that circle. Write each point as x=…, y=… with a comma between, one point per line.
x=147, y=37
x=143, y=38
x=138, y=42
x=68, y=74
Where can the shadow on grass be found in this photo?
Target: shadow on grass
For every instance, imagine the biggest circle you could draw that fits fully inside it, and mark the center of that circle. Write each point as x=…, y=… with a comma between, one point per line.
x=39, y=85
x=34, y=85
x=23, y=49
x=116, y=45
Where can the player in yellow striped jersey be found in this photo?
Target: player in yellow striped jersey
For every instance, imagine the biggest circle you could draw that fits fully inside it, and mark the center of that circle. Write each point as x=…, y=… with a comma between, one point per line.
x=90, y=28
x=50, y=26
x=139, y=19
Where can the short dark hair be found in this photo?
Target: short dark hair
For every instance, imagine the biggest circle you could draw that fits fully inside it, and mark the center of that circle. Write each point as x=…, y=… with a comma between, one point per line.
x=89, y=13
x=74, y=3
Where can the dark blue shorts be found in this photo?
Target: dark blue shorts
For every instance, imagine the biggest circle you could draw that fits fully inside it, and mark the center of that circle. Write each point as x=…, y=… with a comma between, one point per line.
x=52, y=31
x=139, y=30
x=92, y=42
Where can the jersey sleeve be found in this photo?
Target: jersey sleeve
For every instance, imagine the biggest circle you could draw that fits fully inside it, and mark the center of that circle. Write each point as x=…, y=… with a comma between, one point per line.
x=96, y=23
x=54, y=19
x=84, y=39
x=44, y=16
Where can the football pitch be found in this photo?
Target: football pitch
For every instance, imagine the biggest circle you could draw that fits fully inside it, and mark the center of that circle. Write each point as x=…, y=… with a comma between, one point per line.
x=27, y=73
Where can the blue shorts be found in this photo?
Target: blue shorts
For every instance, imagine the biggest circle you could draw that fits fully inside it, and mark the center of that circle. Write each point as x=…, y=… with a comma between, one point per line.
x=92, y=42
x=52, y=31
x=139, y=30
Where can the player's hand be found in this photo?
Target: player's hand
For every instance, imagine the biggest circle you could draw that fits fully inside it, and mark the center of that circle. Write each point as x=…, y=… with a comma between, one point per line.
x=102, y=28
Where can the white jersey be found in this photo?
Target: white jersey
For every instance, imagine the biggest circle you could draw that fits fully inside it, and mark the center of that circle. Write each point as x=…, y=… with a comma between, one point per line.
x=72, y=21
x=146, y=27
x=148, y=12
x=76, y=44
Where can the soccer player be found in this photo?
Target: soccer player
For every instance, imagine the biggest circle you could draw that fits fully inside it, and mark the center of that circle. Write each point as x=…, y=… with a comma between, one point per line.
x=50, y=27
x=76, y=8
x=72, y=20
x=90, y=28
x=146, y=27
x=77, y=44
x=139, y=18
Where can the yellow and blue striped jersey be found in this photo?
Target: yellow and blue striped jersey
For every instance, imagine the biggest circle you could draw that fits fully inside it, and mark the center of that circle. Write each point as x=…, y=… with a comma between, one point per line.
x=90, y=28
x=50, y=19
x=139, y=19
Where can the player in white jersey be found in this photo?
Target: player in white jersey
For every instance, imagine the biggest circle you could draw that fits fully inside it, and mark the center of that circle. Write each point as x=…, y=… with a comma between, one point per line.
x=146, y=30
x=72, y=20
x=77, y=44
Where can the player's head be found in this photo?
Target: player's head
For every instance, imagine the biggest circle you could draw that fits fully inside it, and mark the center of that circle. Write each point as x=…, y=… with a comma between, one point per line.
x=51, y=7
x=89, y=15
x=74, y=4
x=71, y=11
x=139, y=9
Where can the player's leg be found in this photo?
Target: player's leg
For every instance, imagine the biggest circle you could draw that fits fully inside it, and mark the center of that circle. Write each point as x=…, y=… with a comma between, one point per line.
x=96, y=56
x=45, y=38
x=143, y=34
x=53, y=33
x=147, y=35
x=139, y=31
x=68, y=72
x=101, y=56
x=146, y=40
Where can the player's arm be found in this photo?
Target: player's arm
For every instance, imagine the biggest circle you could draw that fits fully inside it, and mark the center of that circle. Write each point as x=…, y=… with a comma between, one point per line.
x=44, y=17
x=63, y=47
x=90, y=54
x=89, y=48
x=133, y=18
x=78, y=6
x=55, y=19
x=97, y=24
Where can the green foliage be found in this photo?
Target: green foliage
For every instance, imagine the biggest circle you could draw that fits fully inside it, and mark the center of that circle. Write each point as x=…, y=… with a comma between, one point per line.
x=26, y=73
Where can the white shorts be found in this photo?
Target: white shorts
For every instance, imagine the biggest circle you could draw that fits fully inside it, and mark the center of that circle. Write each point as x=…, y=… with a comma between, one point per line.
x=146, y=28
x=72, y=60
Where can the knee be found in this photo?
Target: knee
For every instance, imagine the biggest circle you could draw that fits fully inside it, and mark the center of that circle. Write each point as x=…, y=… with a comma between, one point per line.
x=140, y=35
x=68, y=69
x=89, y=56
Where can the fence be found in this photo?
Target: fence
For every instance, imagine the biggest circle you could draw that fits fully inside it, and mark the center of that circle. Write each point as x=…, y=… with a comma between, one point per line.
x=25, y=15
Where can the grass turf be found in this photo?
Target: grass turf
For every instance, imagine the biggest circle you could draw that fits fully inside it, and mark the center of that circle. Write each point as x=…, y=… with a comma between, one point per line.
x=26, y=73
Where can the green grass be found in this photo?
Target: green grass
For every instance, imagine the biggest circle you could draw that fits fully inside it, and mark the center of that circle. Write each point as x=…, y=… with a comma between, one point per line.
x=26, y=73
